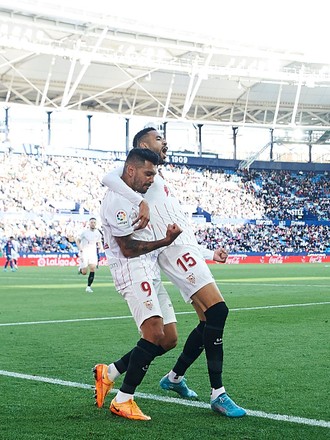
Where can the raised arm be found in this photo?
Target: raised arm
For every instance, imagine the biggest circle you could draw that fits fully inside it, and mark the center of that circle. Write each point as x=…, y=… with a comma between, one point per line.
x=114, y=182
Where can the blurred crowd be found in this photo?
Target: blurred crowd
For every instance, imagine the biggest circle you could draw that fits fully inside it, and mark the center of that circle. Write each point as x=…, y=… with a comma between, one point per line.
x=266, y=238
x=56, y=184
x=45, y=202
x=288, y=196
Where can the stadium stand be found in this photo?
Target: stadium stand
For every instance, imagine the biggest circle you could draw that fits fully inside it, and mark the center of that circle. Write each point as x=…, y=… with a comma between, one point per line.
x=45, y=200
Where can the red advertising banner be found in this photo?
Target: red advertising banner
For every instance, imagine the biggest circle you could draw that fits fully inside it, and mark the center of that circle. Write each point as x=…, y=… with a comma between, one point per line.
x=277, y=259
x=49, y=261
x=66, y=260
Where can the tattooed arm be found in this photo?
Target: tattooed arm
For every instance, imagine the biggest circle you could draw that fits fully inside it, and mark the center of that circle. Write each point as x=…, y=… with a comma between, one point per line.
x=134, y=248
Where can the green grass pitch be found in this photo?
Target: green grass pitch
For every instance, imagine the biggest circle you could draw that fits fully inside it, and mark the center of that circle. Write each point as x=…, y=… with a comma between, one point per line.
x=276, y=366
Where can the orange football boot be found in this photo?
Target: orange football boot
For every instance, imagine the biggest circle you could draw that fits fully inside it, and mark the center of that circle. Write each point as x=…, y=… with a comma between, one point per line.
x=128, y=409
x=103, y=385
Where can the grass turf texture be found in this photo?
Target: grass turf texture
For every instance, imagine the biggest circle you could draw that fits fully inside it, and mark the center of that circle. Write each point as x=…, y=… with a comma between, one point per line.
x=276, y=358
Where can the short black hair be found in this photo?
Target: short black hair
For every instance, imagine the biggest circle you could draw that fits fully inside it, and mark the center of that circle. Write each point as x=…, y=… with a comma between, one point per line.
x=92, y=218
x=141, y=155
x=140, y=135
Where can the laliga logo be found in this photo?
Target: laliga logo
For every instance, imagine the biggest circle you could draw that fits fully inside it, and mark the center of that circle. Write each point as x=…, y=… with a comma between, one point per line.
x=121, y=215
x=43, y=262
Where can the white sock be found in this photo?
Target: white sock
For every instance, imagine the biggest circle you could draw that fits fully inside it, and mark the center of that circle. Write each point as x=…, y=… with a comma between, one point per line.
x=123, y=397
x=113, y=373
x=216, y=392
x=173, y=377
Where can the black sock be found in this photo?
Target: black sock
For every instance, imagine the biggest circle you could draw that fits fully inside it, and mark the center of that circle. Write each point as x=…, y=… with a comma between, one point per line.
x=122, y=363
x=90, y=278
x=215, y=321
x=191, y=351
x=140, y=358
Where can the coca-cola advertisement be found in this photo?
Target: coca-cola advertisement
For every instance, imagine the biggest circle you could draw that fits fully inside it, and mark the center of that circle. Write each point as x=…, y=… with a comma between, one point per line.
x=69, y=261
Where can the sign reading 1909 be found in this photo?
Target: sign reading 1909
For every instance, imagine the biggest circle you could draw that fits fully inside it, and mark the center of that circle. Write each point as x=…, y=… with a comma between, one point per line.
x=178, y=159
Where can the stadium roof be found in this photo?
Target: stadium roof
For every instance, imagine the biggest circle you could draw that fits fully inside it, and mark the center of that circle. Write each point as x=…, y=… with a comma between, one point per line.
x=244, y=63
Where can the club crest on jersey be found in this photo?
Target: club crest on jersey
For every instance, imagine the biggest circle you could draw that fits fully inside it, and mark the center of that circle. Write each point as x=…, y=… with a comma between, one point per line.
x=166, y=190
x=148, y=304
x=191, y=278
x=121, y=217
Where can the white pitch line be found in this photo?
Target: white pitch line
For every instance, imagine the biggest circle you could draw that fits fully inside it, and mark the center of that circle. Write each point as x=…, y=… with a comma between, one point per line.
x=221, y=282
x=280, y=306
x=218, y=281
x=196, y=404
x=61, y=321
x=110, y=318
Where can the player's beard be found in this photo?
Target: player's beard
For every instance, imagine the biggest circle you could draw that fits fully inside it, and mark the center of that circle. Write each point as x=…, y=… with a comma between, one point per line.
x=163, y=155
x=161, y=158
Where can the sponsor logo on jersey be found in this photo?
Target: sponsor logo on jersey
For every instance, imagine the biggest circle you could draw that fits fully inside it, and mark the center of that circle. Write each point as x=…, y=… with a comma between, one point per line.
x=121, y=217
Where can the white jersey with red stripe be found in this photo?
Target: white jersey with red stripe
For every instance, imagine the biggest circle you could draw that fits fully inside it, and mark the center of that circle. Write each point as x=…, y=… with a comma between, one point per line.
x=117, y=215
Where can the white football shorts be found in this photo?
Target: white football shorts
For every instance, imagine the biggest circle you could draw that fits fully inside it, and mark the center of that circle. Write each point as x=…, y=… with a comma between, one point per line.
x=149, y=298
x=186, y=269
x=87, y=258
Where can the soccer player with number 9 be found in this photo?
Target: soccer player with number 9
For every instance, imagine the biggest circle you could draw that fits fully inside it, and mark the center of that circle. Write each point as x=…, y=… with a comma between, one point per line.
x=132, y=259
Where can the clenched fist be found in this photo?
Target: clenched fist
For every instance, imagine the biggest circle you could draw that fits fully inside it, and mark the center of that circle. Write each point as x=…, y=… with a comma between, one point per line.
x=173, y=231
x=220, y=255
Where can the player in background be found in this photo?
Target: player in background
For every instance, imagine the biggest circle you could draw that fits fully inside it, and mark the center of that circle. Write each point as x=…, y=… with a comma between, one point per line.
x=132, y=258
x=87, y=243
x=184, y=265
x=15, y=253
x=9, y=252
